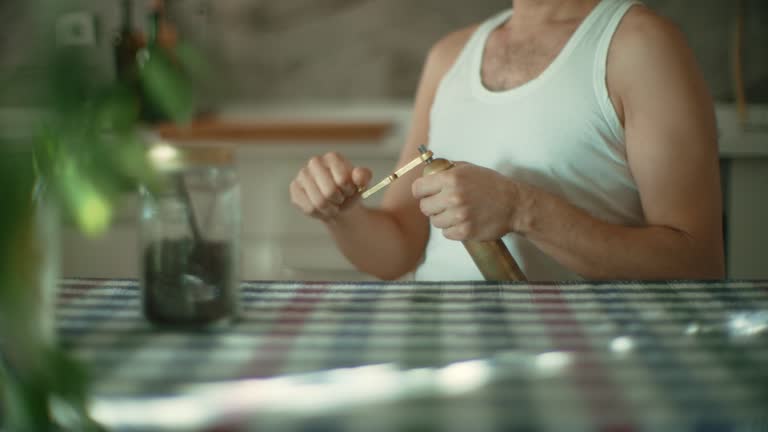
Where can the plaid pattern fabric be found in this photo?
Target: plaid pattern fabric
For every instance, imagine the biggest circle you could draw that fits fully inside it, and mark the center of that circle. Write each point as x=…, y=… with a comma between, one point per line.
x=433, y=356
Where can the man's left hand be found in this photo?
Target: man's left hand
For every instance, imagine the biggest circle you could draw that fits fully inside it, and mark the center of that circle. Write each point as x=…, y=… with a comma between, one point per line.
x=469, y=202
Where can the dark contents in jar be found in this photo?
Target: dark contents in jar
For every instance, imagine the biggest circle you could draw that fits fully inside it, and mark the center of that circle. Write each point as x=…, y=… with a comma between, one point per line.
x=188, y=283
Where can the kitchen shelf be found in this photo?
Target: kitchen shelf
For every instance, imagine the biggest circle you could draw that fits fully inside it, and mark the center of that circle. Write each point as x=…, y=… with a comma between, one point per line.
x=271, y=131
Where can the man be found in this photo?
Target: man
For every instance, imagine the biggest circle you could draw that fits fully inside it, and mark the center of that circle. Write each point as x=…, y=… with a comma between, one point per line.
x=589, y=143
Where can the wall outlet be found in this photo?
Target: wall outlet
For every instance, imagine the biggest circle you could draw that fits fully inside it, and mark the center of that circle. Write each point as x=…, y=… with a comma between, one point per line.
x=76, y=29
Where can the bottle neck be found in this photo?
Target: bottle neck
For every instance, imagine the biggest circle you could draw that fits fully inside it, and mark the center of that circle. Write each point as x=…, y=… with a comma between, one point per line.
x=127, y=16
x=156, y=15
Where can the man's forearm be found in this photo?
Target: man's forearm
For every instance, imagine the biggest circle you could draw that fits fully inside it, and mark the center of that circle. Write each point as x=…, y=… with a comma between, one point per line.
x=375, y=242
x=600, y=250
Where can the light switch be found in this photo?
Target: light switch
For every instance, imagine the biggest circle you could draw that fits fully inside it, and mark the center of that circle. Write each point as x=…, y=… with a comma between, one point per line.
x=76, y=29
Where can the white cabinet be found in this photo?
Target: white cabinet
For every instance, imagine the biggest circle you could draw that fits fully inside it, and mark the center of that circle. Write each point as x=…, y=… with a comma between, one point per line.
x=746, y=217
x=744, y=168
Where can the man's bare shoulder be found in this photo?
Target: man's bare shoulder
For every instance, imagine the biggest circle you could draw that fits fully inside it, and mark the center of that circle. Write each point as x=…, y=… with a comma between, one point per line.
x=646, y=39
x=445, y=52
x=649, y=50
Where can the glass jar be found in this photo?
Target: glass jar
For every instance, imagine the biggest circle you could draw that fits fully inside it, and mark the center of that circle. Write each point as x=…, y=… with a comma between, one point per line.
x=190, y=237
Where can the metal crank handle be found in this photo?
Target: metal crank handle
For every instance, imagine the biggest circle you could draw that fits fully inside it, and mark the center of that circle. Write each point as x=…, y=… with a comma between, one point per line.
x=397, y=174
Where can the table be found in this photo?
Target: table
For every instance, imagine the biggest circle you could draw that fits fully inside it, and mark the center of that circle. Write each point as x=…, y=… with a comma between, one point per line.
x=432, y=356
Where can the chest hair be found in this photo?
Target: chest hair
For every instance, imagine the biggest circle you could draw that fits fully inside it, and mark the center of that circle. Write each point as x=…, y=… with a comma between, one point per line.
x=510, y=61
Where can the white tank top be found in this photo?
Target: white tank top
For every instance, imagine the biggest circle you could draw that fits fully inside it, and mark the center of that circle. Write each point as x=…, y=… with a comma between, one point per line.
x=558, y=132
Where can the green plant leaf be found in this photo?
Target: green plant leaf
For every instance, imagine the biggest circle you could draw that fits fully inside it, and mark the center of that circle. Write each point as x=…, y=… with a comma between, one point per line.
x=90, y=207
x=118, y=110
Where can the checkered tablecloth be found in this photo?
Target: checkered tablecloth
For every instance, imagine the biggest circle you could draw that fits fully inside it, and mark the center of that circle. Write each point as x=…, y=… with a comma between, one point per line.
x=433, y=357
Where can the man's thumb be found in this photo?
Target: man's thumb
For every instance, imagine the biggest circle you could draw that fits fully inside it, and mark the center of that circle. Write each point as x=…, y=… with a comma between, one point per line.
x=361, y=176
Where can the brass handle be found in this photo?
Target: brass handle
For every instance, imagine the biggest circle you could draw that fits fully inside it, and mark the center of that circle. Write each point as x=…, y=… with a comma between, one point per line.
x=492, y=258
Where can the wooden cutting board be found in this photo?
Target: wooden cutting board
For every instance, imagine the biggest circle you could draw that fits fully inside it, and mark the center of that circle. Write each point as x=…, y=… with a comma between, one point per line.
x=276, y=130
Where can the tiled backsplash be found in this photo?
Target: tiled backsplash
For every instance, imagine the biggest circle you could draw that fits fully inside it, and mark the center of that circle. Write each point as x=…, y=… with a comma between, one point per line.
x=264, y=50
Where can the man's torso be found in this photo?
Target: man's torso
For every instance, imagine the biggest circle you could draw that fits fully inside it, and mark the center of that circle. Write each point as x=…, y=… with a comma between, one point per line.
x=529, y=104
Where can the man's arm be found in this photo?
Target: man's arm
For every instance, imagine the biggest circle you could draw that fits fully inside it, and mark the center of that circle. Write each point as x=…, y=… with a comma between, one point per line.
x=671, y=143
x=387, y=242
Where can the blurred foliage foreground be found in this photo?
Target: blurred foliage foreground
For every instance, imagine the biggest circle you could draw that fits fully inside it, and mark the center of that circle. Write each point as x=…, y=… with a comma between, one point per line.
x=85, y=151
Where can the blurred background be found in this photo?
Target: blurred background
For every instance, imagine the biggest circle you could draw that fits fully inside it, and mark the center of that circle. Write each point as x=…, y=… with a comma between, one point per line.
x=350, y=63
x=351, y=50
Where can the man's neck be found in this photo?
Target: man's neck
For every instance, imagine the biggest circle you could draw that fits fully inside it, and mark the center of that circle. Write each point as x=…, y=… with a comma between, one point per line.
x=529, y=13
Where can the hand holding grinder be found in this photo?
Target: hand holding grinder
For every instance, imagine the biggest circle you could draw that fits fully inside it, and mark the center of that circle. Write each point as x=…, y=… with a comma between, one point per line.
x=492, y=258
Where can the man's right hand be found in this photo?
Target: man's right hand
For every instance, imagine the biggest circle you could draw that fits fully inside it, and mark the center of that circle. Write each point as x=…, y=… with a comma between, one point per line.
x=327, y=186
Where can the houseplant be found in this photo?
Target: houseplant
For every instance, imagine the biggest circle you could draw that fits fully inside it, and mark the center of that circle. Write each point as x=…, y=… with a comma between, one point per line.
x=84, y=152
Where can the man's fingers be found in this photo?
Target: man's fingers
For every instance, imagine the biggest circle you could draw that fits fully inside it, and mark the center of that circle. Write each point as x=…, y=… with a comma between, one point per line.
x=450, y=218
x=431, y=206
x=329, y=212
x=323, y=178
x=314, y=195
x=327, y=185
x=340, y=168
x=349, y=189
x=300, y=199
x=457, y=232
x=441, y=220
x=426, y=186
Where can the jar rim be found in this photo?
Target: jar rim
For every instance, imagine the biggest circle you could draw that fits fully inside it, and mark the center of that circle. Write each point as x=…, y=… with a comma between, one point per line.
x=170, y=157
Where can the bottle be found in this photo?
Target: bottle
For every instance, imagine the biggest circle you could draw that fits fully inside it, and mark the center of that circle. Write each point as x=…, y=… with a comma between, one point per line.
x=166, y=86
x=127, y=44
x=159, y=28
x=150, y=112
x=126, y=47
